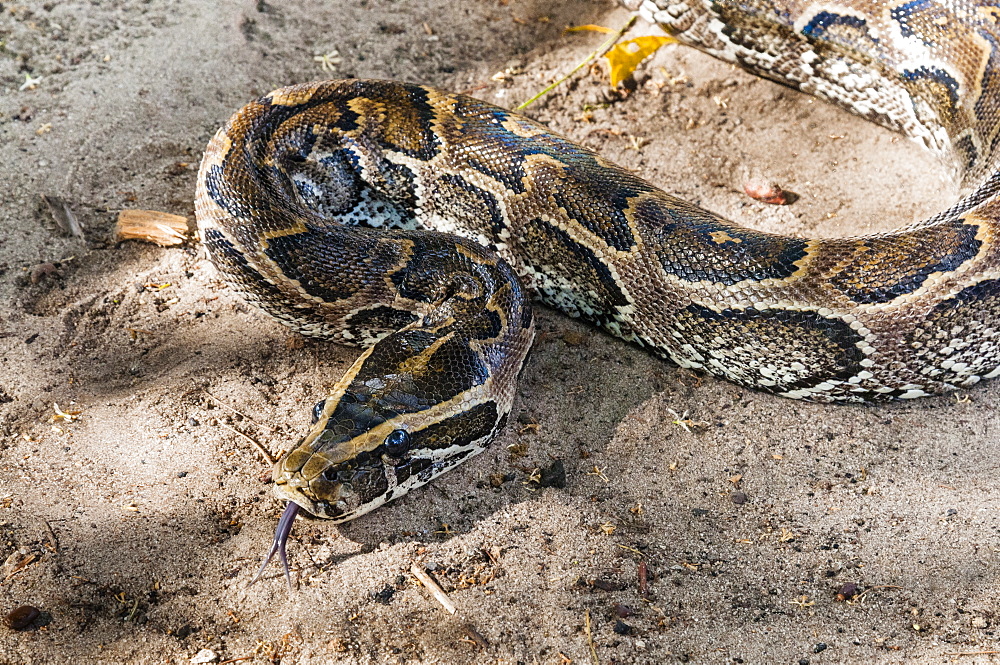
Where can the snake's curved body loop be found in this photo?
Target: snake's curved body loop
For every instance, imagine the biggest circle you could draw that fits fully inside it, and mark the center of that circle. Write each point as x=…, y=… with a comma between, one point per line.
x=325, y=204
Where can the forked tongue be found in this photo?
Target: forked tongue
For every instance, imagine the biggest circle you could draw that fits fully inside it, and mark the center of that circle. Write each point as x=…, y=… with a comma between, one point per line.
x=278, y=544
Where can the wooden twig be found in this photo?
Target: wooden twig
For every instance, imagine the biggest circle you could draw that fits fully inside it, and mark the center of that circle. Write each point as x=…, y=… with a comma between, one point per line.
x=153, y=226
x=261, y=449
x=433, y=587
x=971, y=653
x=603, y=48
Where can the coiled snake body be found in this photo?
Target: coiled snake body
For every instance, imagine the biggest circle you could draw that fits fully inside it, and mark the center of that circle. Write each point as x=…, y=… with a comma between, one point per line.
x=316, y=201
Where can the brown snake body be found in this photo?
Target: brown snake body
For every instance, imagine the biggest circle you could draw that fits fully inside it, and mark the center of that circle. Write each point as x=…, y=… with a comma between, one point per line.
x=325, y=204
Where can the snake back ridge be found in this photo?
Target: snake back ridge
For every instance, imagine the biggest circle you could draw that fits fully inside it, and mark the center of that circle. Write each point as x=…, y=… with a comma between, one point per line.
x=417, y=223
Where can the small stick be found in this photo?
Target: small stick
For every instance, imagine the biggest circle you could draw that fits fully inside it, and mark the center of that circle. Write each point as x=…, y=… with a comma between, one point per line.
x=971, y=653
x=433, y=587
x=590, y=639
x=600, y=51
x=258, y=446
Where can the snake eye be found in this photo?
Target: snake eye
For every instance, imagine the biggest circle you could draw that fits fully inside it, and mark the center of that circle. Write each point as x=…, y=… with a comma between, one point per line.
x=397, y=443
x=318, y=410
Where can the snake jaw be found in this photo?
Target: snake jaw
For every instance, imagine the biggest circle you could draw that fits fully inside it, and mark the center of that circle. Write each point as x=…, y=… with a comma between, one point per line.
x=337, y=492
x=294, y=489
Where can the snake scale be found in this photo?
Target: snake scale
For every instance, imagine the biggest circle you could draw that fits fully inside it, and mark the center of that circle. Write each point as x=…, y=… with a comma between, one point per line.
x=417, y=223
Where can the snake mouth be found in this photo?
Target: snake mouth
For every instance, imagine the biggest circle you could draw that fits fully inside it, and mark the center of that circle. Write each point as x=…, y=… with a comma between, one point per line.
x=320, y=497
x=340, y=492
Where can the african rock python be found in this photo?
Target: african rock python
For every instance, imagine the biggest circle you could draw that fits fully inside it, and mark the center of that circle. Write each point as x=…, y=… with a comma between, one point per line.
x=315, y=201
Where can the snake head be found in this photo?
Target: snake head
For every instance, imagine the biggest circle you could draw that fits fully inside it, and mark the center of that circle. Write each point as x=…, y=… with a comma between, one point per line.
x=390, y=425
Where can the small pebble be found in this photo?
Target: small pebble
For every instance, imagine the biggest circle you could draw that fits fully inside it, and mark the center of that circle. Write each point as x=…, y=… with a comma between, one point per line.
x=22, y=617
x=739, y=498
x=803, y=661
x=819, y=647
x=622, y=628
x=203, y=656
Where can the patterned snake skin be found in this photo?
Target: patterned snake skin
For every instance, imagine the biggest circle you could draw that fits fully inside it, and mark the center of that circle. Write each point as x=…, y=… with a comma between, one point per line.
x=316, y=201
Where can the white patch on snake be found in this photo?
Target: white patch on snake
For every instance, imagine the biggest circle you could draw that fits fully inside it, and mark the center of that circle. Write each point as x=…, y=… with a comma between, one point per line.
x=445, y=225
x=368, y=211
x=442, y=461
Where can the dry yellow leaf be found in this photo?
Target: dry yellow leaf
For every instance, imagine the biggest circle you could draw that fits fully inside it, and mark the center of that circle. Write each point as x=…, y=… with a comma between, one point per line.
x=625, y=57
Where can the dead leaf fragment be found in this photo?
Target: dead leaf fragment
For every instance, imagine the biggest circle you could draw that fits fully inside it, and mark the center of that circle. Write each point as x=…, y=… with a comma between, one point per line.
x=766, y=191
x=67, y=416
x=63, y=215
x=625, y=57
x=153, y=226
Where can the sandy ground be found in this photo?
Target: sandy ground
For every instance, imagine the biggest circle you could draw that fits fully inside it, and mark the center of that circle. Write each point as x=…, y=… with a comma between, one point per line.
x=136, y=527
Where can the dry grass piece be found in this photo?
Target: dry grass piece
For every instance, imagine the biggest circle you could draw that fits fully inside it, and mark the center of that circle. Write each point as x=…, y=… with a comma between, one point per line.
x=153, y=226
